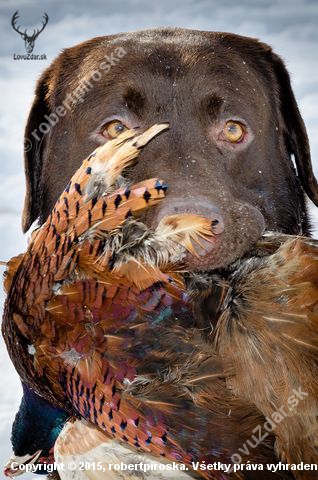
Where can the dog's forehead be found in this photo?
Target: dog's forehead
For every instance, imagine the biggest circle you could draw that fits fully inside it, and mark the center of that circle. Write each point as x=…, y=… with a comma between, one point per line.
x=187, y=66
x=170, y=55
x=152, y=59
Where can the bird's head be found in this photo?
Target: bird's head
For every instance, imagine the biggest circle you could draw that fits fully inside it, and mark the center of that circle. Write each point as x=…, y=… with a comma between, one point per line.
x=34, y=432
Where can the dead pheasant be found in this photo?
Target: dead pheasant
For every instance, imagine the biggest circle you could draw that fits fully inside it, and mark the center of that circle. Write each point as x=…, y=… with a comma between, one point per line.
x=98, y=321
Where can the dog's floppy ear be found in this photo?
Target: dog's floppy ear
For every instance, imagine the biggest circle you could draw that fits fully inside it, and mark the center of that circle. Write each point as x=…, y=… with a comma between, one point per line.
x=295, y=135
x=271, y=66
x=34, y=146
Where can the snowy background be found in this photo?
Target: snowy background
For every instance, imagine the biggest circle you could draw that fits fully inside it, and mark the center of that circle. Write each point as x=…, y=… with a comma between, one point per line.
x=290, y=26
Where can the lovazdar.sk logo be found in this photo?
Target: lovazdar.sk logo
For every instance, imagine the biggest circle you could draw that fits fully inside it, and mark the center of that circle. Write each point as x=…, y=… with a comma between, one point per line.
x=29, y=40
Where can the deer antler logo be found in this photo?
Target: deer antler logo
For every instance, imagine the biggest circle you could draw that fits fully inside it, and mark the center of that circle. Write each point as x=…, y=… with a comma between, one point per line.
x=28, y=41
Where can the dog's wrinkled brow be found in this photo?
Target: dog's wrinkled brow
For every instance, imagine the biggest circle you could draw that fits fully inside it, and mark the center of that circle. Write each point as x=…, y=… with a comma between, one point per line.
x=135, y=101
x=212, y=105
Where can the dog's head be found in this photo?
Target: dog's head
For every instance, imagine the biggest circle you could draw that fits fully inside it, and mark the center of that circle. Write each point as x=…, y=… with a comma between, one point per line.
x=234, y=128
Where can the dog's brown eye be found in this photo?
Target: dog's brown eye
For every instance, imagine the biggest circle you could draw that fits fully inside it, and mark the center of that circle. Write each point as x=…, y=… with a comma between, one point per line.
x=233, y=131
x=114, y=129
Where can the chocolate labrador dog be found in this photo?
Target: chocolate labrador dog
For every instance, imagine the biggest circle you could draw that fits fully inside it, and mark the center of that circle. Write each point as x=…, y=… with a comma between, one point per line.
x=234, y=128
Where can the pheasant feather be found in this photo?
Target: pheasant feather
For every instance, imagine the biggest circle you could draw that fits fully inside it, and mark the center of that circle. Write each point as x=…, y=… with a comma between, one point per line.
x=186, y=230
